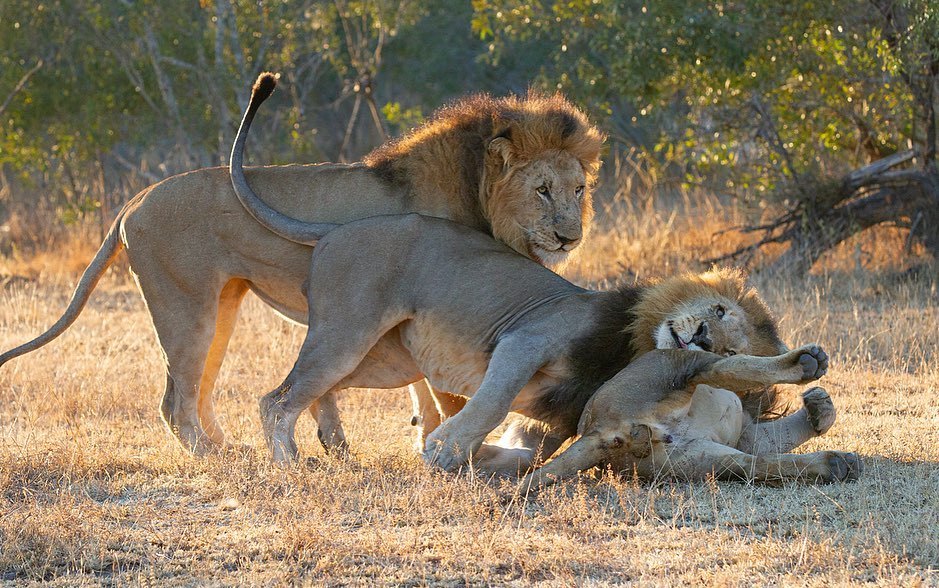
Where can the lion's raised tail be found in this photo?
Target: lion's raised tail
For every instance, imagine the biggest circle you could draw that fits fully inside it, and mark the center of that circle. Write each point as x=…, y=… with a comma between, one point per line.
x=278, y=223
x=99, y=264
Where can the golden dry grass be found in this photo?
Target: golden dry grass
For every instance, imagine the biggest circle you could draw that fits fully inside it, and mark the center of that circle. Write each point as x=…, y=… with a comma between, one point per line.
x=93, y=489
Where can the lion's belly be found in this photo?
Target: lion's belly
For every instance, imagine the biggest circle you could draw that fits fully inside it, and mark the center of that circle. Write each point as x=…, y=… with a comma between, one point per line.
x=457, y=365
x=289, y=302
x=388, y=364
x=447, y=360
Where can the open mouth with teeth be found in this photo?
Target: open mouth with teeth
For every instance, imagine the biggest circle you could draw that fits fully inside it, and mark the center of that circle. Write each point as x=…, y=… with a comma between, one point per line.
x=697, y=341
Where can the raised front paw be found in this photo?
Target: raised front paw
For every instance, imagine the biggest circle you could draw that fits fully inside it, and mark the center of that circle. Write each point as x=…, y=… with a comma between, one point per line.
x=813, y=361
x=819, y=409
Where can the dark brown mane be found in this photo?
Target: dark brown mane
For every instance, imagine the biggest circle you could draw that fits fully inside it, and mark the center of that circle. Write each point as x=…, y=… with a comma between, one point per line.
x=453, y=142
x=594, y=358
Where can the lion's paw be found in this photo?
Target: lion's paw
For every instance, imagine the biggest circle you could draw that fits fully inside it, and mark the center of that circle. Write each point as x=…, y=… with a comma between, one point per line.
x=842, y=466
x=444, y=455
x=819, y=409
x=814, y=362
x=333, y=441
x=278, y=430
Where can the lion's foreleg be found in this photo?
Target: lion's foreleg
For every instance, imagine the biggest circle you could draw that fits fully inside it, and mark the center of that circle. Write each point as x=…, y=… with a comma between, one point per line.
x=745, y=372
x=229, y=302
x=785, y=434
x=514, y=361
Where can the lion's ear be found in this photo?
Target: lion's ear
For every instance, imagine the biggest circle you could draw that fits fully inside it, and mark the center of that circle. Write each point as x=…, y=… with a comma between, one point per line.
x=502, y=147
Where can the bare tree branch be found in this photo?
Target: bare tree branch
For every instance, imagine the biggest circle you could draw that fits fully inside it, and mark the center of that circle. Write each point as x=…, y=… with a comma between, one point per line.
x=770, y=133
x=21, y=84
x=869, y=196
x=349, y=127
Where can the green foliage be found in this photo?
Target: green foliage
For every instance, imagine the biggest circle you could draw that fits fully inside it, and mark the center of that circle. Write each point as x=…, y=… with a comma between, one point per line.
x=401, y=119
x=743, y=96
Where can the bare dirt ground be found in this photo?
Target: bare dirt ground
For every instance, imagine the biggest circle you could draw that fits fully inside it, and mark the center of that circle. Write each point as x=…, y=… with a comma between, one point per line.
x=93, y=490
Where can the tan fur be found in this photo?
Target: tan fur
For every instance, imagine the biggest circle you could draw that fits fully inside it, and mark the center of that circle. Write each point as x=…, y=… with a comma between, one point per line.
x=676, y=414
x=195, y=250
x=441, y=302
x=670, y=295
x=686, y=299
x=536, y=139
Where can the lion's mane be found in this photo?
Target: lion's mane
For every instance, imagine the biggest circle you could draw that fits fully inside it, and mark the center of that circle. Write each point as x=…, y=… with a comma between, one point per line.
x=450, y=155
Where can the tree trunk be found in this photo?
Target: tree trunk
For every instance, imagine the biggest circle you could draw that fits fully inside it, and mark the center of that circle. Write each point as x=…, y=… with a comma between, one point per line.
x=912, y=202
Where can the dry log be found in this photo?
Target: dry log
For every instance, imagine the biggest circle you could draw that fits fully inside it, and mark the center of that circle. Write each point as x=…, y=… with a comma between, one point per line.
x=868, y=196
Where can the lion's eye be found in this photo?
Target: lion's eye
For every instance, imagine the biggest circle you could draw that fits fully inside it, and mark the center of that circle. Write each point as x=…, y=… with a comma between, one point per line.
x=543, y=192
x=719, y=311
x=731, y=352
x=579, y=191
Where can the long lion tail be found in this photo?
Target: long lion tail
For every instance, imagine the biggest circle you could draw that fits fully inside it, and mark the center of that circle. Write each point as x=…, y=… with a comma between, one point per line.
x=278, y=223
x=102, y=260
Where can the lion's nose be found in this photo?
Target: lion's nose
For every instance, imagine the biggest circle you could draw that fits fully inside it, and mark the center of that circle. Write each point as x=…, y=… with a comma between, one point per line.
x=701, y=337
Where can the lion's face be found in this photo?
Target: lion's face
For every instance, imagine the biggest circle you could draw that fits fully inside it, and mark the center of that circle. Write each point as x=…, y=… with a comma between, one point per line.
x=716, y=311
x=541, y=208
x=716, y=324
x=707, y=324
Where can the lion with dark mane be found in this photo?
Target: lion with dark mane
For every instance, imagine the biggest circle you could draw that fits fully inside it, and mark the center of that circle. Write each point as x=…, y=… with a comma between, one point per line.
x=519, y=169
x=442, y=302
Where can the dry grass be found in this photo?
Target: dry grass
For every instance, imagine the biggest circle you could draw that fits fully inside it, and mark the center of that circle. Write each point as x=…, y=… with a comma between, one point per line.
x=93, y=490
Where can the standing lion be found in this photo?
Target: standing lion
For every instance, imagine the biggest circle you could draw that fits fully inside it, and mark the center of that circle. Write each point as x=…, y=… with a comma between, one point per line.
x=519, y=169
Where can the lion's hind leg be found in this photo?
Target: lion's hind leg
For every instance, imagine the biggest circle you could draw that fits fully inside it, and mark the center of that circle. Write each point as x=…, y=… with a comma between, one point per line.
x=782, y=435
x=185, y=339
x=325, y=365
x=329, y=424
x=698, y=458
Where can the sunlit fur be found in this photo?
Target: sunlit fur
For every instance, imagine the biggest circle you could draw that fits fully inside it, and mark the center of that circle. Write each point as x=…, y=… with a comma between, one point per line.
x=494, y=154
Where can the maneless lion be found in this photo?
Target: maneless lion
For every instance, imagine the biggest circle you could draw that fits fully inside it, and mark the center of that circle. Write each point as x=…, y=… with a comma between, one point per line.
x=519, y=169
x=442, y=302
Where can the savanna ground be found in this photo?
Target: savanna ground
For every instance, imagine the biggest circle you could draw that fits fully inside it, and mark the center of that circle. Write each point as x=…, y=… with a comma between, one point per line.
x=94, y=490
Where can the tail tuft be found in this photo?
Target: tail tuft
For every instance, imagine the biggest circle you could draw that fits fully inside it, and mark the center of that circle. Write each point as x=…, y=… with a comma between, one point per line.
x=264, y=86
